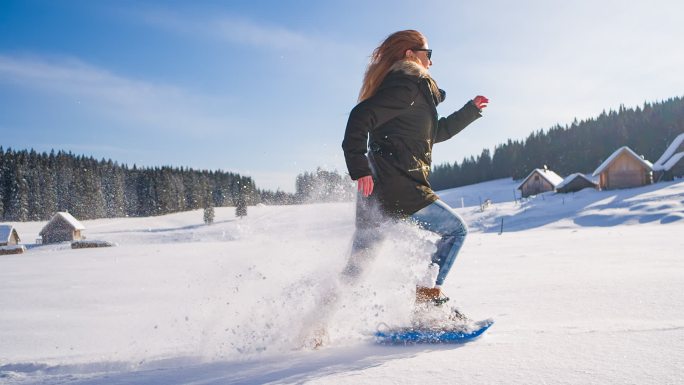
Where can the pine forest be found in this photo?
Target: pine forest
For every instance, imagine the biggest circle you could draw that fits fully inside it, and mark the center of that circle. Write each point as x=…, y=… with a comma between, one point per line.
x=33, y=186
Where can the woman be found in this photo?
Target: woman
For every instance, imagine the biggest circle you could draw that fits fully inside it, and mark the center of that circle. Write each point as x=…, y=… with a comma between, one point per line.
x=388, y=145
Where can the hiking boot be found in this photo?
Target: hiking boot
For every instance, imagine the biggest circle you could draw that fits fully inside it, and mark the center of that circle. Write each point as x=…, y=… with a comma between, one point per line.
x=315, y=339
x=456, y=315
x=434, y=295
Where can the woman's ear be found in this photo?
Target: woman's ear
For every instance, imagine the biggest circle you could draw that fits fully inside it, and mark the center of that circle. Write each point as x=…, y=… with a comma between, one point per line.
x=408, y=53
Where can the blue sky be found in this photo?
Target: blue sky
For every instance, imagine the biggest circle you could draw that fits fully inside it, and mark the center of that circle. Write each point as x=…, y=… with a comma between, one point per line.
x=264, y=88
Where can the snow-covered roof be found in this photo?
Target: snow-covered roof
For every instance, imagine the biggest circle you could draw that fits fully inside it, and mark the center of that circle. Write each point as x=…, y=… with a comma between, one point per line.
x=572, y=177
x=5, y=233
x=549, y=175
x=670, y=163
x=70, y=219
x=670, y=150
x=667, y=160
x=619, y=151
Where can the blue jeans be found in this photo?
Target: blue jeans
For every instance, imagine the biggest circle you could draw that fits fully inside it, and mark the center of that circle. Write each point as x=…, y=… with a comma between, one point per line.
x=443, y=220
x=438, y=217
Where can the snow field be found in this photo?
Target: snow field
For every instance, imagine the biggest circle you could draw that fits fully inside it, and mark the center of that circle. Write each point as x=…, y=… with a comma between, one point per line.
x=584, y=288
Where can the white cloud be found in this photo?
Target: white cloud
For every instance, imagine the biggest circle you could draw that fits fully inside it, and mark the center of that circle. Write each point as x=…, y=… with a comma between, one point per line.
x=232, y=29
x=146, y=105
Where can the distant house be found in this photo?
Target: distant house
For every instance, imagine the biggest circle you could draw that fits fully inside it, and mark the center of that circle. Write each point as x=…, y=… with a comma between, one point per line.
x=9, y=241
x=61, y=228
x=575, y=182
x=671, y=164
x=539, y=181
x=8, y=236
x=624, y=169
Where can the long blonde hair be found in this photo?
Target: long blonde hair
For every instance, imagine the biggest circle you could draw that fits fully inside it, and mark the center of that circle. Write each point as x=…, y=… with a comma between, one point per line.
x=389, y=52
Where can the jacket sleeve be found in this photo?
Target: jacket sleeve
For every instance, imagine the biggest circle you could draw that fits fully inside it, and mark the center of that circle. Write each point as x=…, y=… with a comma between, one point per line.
x=386, y=104
x=456, y=122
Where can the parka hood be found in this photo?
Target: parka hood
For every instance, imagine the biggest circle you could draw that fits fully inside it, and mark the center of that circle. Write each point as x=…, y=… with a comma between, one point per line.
x=410, y=67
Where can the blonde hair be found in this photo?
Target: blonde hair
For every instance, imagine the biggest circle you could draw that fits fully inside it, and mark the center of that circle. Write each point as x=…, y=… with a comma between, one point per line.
x=389, y=52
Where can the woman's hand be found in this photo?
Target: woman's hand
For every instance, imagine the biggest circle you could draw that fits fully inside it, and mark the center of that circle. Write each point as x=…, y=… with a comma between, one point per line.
x=365, y=185
x=480, y=101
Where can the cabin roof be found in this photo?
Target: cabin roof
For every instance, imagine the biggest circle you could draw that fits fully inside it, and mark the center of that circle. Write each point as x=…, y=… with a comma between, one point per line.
x=617, y=153
x=6, y=233
x=549, y=175
x=666, y=159
x=68, y=218
x=571, y=178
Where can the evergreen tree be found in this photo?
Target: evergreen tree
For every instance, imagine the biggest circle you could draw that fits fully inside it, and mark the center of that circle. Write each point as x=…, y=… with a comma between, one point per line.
x=18, y=209
x=209, y=215
x=208, y=207
x=241, y=205
x=3, y=183
x=323, y=186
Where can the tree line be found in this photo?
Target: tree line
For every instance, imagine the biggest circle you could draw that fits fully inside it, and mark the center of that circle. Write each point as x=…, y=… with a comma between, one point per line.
x=33, y=186
x=579, y=147
x=312, y=187
x=324, y=186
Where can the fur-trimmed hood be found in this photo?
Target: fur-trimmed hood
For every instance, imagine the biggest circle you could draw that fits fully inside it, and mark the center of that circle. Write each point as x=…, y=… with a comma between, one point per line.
x=412, y=68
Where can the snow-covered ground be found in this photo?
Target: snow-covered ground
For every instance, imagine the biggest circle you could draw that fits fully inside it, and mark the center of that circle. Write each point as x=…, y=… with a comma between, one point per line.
x=585, y=288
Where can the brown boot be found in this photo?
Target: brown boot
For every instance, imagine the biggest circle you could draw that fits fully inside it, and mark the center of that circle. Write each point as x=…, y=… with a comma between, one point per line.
x=430, y=294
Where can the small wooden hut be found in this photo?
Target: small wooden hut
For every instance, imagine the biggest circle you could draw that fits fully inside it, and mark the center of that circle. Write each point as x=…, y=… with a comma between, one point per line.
x=8, y=236
x=575, y=182
x=671, y=164
x=539, y=181
x=9, y=241
x=62, y=227
x=624, y=169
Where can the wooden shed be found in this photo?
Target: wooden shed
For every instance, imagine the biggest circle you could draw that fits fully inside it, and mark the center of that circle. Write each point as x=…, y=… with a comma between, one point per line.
x=8, y=236
x=9, y=241
x=575, y=182
x=61, y=228
x=624, y=169
x=539, y=181
x=671, y=164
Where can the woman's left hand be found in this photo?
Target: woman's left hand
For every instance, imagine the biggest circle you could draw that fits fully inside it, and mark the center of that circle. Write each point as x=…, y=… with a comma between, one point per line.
x=480, y=101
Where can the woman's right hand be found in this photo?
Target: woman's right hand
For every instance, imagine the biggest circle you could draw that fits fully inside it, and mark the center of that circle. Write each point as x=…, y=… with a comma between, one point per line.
x=365, y=185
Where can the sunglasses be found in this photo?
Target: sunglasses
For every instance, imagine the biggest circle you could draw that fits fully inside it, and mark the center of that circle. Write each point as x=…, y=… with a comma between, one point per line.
x=428, y=52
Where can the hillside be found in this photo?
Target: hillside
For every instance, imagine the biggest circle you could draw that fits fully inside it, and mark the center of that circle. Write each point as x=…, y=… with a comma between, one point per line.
x=577, y=147
x=584, y=288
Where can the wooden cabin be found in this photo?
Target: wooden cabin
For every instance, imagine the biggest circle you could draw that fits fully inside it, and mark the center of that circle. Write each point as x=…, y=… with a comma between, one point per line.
x=624, y=169
x=671, y=164
x=8, y=236
x=62, y=227
x=575, y=182
x=9, y=241
x=539, y=181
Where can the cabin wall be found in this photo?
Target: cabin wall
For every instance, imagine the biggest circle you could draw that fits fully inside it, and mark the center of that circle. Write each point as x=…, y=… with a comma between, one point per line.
x=535, y=184
x=625, y=172
x=60, y=231
x=677, y=170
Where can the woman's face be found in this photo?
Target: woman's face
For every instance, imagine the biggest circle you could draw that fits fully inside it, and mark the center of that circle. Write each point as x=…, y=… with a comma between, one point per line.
x=422, y=55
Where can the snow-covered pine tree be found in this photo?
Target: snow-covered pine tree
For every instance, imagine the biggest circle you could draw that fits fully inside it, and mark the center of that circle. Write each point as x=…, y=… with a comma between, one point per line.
x=18, y=198
x=208, y=207
x=241, y=205
x=209, y=215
